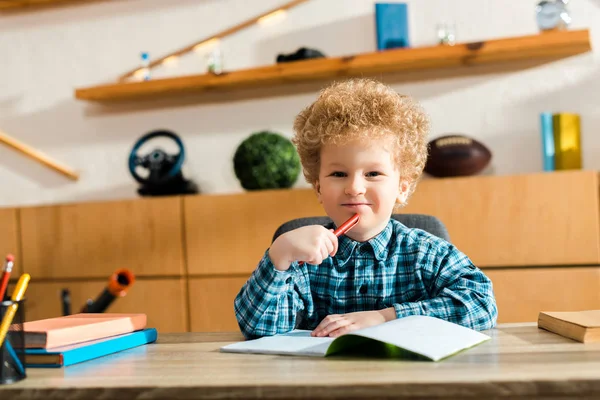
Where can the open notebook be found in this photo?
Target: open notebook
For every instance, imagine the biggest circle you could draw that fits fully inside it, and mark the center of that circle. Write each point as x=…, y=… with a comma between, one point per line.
x=414, y=337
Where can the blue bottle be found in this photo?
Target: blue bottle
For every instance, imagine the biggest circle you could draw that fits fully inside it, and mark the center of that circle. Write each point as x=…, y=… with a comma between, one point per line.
x=547, y=131
x=146, y=66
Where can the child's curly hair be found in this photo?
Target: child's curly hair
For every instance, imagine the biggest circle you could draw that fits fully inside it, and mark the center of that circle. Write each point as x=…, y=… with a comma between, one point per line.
x=363, y=109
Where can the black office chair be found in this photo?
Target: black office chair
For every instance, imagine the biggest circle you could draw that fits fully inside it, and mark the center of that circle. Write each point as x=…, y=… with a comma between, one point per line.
x=427, y=223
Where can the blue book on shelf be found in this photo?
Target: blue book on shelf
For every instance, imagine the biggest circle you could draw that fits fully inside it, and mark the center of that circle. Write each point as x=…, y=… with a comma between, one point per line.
x=547, y=131
x=80, y=352
x=391, y=23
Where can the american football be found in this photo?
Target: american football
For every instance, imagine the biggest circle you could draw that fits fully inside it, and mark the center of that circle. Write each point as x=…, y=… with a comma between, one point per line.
x=456, y=155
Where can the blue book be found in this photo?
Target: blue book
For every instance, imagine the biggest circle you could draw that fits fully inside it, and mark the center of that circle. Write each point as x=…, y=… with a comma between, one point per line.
x=73, y=354
x=547, y=131
x=391, y=23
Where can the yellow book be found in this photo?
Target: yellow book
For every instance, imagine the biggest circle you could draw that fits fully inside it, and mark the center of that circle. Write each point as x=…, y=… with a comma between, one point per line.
x=567, y=141
x=583, y=326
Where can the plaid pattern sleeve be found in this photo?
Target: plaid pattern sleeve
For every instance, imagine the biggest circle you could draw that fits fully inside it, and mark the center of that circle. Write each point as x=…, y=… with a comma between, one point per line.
x=458, y=291
x=272, y=301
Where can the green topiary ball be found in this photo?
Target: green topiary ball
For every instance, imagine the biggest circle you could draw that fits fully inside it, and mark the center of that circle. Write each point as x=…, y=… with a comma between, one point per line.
x=266, y=160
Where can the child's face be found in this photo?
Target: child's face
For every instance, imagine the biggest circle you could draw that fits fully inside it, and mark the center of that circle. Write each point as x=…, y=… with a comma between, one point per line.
x=360, y=178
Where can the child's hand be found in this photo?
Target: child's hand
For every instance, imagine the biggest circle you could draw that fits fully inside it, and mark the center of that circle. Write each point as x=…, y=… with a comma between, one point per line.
x=311, y=244
x=338, y=324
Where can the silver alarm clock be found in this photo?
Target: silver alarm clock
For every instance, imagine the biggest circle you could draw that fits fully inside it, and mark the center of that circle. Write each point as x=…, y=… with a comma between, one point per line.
x=552, y=14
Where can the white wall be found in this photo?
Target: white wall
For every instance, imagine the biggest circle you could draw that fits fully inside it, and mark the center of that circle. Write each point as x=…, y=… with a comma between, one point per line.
x=47, y=54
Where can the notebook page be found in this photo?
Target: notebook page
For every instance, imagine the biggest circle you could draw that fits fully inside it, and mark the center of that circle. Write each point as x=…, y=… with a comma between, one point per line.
x=297, y=342
x=428, y=336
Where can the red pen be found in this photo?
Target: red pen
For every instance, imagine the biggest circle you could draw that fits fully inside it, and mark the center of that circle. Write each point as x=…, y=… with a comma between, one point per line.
x=343, y=228
x=346, y=226
x=6, y=274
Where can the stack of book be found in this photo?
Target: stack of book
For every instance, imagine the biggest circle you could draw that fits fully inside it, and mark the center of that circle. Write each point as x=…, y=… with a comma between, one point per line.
x=62, y=341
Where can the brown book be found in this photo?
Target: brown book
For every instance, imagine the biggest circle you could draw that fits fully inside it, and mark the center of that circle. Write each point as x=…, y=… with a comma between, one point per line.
x=77, y=328
x=583, y=326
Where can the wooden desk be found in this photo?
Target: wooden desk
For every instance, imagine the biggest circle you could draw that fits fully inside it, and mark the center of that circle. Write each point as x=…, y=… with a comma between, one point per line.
x=520, y=362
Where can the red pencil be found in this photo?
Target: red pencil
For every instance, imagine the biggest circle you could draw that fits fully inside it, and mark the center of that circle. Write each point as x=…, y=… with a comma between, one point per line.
x=343, y=228
x=6, y=274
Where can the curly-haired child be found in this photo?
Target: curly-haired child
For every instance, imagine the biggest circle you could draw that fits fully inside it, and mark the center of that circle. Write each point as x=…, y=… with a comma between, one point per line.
x=363, y=148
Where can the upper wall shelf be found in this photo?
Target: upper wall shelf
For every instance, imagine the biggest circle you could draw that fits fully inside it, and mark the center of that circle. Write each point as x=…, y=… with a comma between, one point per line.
x=502, y=54
x=21, y=4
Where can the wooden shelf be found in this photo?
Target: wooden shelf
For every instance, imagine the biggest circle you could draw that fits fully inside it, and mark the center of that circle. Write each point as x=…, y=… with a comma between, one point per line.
x=503, y=54
x=21, y=4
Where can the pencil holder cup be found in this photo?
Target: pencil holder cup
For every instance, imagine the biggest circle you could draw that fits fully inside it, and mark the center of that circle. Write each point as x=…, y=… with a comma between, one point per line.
x=12, y=348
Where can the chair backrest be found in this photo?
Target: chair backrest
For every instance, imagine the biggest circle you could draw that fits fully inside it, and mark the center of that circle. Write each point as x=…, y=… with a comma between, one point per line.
x=427, y=223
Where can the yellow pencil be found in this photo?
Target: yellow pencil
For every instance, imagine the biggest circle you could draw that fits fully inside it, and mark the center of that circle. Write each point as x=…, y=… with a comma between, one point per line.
x=17, y=295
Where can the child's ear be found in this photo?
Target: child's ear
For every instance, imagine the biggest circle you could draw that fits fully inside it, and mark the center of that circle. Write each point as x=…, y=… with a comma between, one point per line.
x=402, y=192
x=318, y=191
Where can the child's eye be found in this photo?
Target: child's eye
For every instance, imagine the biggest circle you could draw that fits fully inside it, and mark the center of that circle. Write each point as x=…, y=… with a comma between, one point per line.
x=338, y=174
x=373, y=174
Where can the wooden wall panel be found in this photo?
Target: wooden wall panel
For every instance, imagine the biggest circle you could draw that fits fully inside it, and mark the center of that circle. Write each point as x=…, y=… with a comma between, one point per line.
x=521, y=293
x=534, y=219
x=162, y=300
x=94, y=239
x=9, y=239
x=211, y=303
x=230, y=233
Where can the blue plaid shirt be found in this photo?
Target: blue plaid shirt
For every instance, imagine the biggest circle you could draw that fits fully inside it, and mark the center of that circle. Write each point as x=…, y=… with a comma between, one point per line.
x=408, y=269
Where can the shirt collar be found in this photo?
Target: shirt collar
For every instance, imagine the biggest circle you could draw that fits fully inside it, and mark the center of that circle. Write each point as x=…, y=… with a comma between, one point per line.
x=379, y=244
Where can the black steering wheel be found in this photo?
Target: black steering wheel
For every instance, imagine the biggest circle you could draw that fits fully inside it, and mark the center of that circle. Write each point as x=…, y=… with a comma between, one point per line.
x=162, y=166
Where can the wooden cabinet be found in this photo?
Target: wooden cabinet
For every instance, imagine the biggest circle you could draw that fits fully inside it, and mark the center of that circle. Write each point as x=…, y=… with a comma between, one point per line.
x=9, y=238
x=229, y=234
x=519, y=220
x=164, y=301
x=521, y=293
x=92, y=240
x=537, y=236
x=211, y=303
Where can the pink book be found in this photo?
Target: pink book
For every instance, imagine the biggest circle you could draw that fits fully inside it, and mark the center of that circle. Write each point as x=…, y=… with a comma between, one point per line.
x=76, y=328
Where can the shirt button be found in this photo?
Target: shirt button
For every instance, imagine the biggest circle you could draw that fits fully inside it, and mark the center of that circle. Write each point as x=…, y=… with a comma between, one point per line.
x=363, y=289
x=288, y=280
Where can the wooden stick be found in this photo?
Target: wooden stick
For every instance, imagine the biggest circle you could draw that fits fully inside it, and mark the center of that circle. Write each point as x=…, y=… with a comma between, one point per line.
x=38, y=156
x=219, y=35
